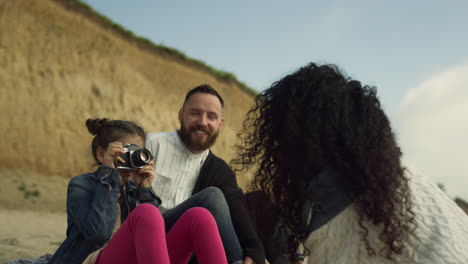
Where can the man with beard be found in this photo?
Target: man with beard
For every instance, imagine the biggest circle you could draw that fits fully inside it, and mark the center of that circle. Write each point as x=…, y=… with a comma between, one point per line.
x=185, y=168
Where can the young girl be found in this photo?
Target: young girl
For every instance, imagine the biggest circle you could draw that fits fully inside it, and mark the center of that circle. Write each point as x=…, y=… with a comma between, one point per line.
x=110, y=220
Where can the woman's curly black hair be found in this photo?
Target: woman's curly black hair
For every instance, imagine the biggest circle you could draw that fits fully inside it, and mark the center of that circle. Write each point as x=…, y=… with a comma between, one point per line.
x=314, y=119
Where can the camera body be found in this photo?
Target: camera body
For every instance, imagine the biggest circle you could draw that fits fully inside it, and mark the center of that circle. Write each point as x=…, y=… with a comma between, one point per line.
x=135, y=158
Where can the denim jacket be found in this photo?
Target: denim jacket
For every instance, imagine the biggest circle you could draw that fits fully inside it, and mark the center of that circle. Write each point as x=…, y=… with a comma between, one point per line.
x=92, y=211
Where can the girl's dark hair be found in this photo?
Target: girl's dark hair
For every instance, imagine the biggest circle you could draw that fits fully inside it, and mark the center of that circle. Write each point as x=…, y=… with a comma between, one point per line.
x=315, y=119
x=107, y=131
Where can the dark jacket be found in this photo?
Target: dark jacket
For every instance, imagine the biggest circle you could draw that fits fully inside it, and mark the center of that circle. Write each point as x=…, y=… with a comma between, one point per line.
x=92, y=212
x=215, y=172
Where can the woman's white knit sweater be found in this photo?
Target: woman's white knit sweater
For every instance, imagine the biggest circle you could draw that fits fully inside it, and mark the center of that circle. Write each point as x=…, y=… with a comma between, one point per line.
x=442, y=231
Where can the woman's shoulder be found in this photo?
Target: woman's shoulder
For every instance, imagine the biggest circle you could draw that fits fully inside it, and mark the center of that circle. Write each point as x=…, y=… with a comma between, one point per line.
x=430, y=199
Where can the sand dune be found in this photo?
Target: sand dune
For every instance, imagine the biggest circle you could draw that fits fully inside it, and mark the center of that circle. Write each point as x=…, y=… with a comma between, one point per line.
x=58, y=66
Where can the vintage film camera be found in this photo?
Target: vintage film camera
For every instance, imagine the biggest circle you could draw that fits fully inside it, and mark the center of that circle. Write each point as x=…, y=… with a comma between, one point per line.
x=134, y=157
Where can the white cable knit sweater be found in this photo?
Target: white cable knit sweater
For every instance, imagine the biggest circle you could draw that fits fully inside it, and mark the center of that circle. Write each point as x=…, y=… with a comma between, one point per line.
x=442, y=230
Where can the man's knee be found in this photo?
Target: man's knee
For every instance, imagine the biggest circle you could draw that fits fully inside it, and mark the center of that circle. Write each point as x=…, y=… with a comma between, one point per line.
x=212, y=193
x=212, y=198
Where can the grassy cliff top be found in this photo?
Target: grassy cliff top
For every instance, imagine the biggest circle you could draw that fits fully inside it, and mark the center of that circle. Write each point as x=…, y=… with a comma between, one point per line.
x=146, y=44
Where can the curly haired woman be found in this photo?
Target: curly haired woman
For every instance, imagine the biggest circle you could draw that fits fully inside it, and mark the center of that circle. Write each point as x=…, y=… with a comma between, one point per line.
x=326, y=156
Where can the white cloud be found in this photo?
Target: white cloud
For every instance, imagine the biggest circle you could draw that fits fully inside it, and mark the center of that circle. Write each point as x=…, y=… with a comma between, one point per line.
x=432, y=129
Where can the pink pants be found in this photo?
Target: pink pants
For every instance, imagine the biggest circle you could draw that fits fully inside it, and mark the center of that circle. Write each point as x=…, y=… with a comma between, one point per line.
x=142, y=239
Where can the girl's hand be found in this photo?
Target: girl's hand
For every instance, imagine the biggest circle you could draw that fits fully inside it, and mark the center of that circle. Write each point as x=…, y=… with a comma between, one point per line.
x=112, y=154
x=145, y=175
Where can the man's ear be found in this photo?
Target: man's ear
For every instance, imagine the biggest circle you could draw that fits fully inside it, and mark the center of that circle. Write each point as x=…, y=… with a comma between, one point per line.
x=100, y=154
x=181, y=113
x=221, y=122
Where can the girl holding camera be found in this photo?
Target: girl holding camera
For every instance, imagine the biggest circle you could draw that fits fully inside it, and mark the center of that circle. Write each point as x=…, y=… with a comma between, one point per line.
x=110, y=220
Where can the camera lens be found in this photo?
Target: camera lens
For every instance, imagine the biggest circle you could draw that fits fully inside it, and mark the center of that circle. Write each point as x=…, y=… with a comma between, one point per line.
x=141, y=157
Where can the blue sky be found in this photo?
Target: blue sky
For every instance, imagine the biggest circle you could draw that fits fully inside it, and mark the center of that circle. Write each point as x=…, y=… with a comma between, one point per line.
x=398, y=46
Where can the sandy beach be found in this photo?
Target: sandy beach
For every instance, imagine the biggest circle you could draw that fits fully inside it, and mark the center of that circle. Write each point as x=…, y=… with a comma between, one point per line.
x=29, y=234
x=32, y=214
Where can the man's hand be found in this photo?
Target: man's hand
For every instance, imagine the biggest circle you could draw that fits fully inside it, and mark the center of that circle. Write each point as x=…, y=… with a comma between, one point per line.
x=248, y=260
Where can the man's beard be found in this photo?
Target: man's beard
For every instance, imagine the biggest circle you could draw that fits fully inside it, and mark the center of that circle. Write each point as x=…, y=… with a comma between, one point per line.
x=185, y=135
